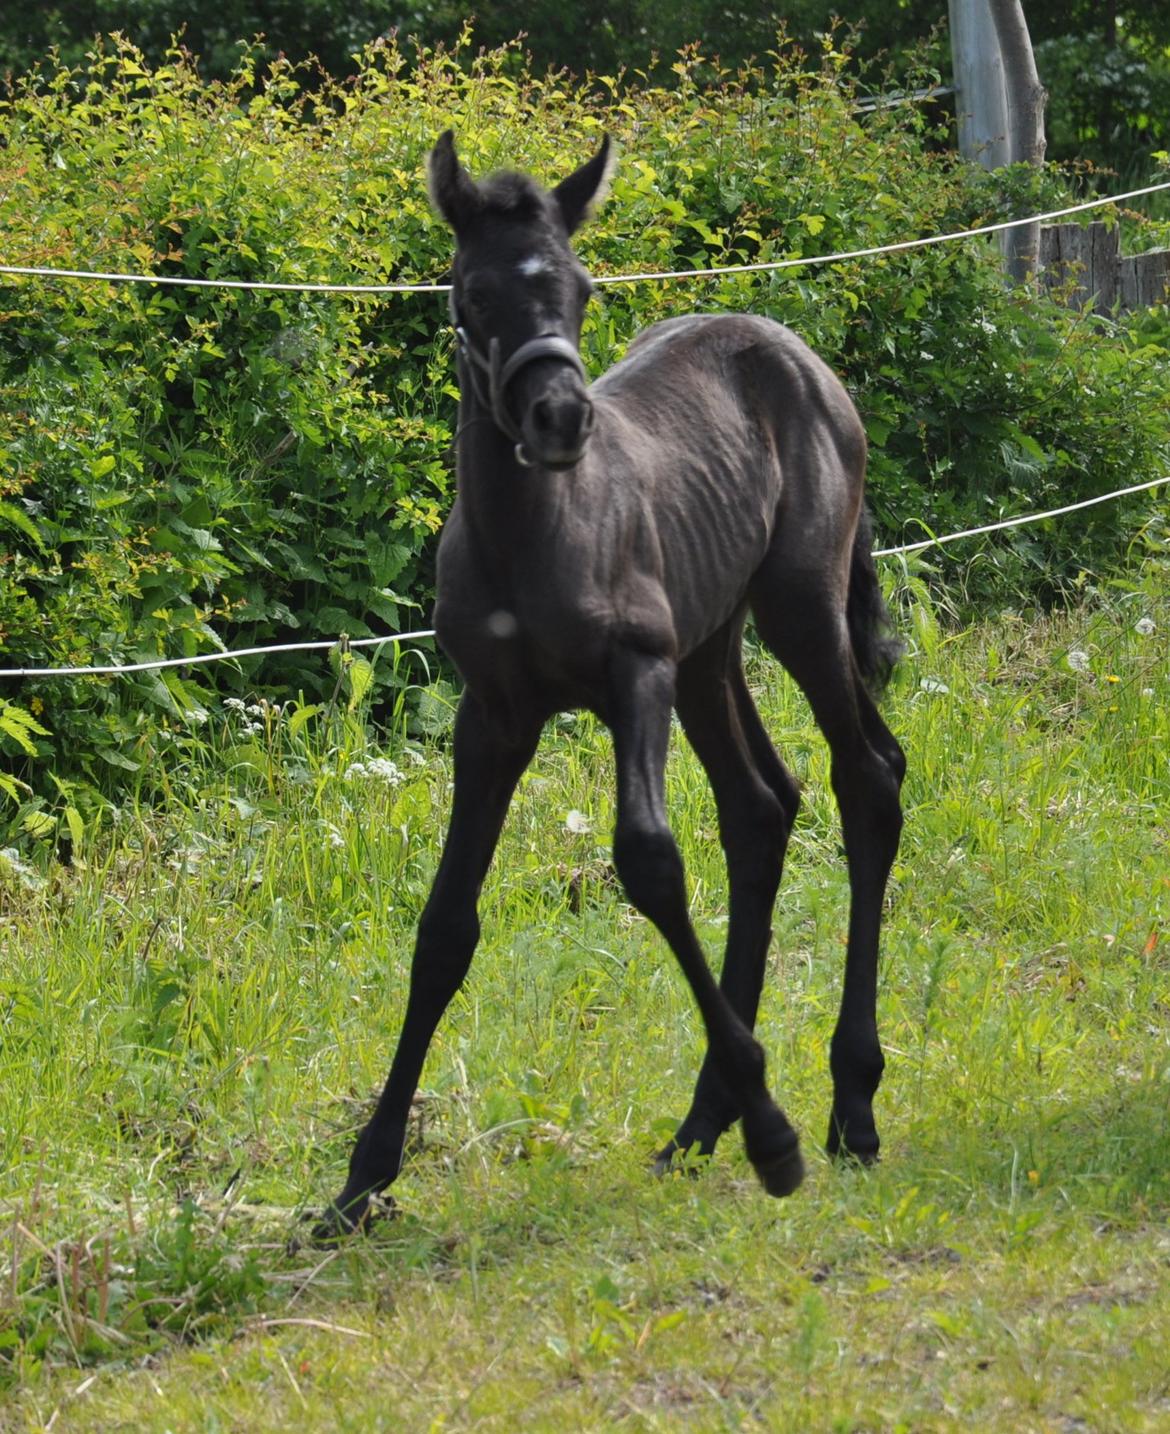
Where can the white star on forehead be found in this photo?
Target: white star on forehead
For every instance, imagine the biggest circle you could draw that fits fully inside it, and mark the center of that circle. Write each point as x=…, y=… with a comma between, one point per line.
x=531, y=266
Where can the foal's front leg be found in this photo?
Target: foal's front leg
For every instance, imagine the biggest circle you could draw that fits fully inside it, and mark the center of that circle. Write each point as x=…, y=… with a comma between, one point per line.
x=487, y=768
x=641, y=695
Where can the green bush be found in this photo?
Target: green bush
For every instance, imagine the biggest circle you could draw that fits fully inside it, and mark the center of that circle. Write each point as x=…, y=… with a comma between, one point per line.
x=185, y=469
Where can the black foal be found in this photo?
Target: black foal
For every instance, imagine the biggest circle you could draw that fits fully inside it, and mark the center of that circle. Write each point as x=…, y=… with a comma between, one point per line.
x=605, y=547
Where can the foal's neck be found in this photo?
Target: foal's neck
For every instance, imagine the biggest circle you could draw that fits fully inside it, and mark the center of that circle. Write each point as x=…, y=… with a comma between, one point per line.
x=504, y=500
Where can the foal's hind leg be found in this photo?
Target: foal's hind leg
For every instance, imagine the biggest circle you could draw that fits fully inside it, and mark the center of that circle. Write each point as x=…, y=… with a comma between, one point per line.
x=806, y=629
x=641, y=695
x=757, y=801
x=487, y=768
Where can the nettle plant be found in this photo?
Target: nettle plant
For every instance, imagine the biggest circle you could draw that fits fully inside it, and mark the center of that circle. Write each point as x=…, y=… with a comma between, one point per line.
x=184, y=469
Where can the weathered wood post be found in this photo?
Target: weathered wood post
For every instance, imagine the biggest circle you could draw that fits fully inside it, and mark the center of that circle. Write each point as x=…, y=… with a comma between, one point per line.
x=980, y=93
x=1000, y=103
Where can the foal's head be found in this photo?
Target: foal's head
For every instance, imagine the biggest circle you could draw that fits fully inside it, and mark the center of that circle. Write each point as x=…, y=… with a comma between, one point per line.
x=518, y=296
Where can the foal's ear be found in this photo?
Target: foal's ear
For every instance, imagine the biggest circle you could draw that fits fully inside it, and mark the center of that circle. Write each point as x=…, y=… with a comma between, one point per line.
x=584, y=190
x=453, y=191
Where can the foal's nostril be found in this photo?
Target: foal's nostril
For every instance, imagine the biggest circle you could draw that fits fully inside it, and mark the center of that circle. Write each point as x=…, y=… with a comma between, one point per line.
x=566, y=421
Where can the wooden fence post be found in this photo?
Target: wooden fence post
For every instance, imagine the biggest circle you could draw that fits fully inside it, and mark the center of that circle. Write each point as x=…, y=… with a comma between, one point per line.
x=1088, y=260
x=1145, y=279
x=999, y=103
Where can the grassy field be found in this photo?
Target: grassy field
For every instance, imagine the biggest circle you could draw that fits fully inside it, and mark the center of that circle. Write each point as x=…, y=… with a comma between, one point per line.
x=193, y=1020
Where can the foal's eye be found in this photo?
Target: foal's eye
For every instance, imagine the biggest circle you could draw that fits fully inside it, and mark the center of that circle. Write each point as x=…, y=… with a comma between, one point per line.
x=476, y=296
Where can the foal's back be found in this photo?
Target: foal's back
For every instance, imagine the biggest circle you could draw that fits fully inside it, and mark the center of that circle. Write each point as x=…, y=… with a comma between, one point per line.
x=720, y=441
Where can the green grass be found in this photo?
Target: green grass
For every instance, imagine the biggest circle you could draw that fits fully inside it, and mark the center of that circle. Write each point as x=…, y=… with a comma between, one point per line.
x=193, y=1021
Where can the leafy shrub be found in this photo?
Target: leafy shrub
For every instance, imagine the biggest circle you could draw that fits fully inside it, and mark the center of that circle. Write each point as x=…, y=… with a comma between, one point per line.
x=1114, y=104
x=184, y=469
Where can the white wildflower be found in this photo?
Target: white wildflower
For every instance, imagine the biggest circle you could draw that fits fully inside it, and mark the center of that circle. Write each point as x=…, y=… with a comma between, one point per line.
x=384, y=770
x=578, y=823
x=1078, y=660
x=355, y=772
x=233, y=704
x=1144, y=626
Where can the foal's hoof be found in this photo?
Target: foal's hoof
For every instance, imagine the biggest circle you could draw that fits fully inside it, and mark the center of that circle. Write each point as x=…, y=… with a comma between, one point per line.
x=339, y=1222
x=780, y=1174
x=773, y=1147
x=860, y=1150
x=674, y=1159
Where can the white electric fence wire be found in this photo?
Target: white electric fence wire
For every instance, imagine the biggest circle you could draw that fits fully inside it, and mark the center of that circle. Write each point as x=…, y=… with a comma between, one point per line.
x=399, y=637
x=1020, y=521
x=155, y=664
x=763, y=266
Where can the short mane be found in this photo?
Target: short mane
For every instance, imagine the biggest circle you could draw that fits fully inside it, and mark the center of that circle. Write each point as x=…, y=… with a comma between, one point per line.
x=514, y=195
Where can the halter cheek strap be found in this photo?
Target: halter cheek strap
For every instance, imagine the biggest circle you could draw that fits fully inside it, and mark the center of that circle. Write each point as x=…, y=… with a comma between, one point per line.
x=499, y=376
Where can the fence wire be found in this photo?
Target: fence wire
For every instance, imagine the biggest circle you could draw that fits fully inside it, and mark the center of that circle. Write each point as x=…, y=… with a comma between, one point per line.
x=110, y=669
x=763, y=266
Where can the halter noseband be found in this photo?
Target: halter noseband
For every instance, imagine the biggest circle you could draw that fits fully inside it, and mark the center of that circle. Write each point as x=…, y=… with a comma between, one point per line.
x=499, y=376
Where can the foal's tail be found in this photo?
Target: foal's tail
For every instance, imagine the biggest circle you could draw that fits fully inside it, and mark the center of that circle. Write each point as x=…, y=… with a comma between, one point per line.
x=876, y=646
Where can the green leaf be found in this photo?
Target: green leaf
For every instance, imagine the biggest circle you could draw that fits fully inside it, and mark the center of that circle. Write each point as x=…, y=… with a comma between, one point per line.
x=76, y=825
x=301, y=716
x=361, y=678
x=39, y=825
x=13, y=786
x=114, y=758
x=16, y=723
x=12, y=515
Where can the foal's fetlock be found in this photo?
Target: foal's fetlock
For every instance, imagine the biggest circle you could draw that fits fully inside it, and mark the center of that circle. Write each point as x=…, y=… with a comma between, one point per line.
x=773, y=1148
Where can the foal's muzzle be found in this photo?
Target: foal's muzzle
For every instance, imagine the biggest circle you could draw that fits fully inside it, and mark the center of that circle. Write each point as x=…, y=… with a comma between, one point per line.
x=558, y=419
x=557, y=425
